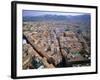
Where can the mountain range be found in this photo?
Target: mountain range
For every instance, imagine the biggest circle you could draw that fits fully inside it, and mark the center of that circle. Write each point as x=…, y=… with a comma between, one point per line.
x=79, y=18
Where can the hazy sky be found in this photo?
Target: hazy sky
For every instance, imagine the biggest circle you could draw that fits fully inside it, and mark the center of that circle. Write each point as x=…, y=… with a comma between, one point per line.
x=38, y=13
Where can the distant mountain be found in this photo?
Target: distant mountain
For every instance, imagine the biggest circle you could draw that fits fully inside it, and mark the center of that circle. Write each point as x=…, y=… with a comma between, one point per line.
x=79, y=18
x=43, y=18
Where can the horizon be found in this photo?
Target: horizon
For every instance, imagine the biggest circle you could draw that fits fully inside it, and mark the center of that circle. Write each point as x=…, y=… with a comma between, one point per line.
x=43, y=13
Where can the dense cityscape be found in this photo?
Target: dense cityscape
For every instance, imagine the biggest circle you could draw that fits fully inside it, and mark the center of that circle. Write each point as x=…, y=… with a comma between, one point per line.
x=55, y=44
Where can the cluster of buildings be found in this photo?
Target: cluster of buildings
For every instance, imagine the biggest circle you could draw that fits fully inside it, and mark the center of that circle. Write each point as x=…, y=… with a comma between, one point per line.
x=48, y=47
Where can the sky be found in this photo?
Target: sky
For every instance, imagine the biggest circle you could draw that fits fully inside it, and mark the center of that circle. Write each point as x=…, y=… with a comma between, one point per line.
x=40, y=13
